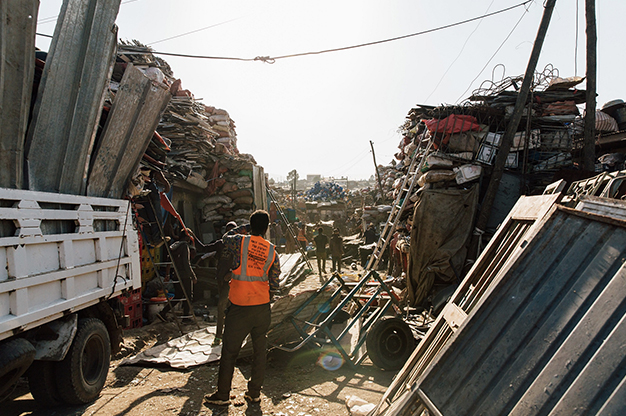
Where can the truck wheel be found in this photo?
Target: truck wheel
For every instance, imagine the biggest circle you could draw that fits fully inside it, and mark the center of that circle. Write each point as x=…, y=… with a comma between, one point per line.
x=16, y=355
x=84, y=370
x=43, y=384
x=389, y=343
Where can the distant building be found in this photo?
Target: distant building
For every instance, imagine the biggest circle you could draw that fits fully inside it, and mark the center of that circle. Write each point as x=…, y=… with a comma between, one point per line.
x=313, y=178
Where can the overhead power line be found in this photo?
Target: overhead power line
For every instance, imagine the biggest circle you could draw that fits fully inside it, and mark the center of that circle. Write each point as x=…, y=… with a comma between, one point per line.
x=272, y=59
x=494, y=55
x=51, y=19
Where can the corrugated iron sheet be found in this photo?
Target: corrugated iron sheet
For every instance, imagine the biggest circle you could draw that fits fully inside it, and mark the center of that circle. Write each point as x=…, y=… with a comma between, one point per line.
x=475, y=285
x=18, y=23
x=70, y=96
x=549, y=338
x=135, y=114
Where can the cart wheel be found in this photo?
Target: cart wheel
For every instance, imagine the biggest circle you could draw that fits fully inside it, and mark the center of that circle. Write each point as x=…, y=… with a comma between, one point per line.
x=389, y=343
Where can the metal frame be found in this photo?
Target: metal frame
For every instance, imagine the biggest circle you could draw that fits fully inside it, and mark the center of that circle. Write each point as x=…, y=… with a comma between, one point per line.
x=366, y=315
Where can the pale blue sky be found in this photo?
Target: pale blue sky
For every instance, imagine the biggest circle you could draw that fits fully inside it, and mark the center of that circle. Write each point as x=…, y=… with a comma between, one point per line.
x=318, y=113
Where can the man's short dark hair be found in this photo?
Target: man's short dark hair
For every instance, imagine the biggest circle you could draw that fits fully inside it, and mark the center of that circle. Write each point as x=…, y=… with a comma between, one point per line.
x=259, y=220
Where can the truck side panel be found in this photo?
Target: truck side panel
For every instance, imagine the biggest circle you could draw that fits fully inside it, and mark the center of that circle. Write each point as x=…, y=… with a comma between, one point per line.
x=69, y=253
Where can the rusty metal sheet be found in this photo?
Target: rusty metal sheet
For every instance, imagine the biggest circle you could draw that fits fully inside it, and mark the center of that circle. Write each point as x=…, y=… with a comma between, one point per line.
x=135, y=114
x=71, y=95
x=18, y=23
x=548, y=338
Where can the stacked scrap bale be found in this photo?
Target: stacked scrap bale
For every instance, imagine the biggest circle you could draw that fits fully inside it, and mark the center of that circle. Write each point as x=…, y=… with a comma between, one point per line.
x=325, y=191
x=202, y=142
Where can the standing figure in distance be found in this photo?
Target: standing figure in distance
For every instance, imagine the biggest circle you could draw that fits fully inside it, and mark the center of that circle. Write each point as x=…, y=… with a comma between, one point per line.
x=320, y=250
x=336, y=250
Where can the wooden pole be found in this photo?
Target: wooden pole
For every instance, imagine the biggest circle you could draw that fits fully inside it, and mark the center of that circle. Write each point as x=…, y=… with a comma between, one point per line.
x=589, y=148
x=511, y=129
x=380, y=184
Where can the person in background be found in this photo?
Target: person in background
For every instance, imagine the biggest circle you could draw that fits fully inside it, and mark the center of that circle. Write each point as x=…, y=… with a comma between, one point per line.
x=255, y=277
x=370, y=234
x=321, y=241
x=302, y=237
x=336, y=250
x=223, y=276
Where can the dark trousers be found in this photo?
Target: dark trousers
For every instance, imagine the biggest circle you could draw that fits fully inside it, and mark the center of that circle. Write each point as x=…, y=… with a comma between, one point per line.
x=337, y=262
x=241, y=321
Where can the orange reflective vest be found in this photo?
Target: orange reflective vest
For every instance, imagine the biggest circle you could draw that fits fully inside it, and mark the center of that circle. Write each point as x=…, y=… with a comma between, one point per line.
x=250, y=282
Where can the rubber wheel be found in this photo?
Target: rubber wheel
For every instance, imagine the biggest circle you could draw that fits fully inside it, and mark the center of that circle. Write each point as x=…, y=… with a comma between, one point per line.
x=16, y=355
x=43, y=385
x=84, y=370
x=389, y=343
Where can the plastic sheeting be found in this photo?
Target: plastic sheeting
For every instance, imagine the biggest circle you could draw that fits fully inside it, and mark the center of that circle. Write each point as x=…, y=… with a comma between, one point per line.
x=442, y=223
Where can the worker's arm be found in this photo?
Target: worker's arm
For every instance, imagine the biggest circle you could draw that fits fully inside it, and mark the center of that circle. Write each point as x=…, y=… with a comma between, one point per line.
x=274, y=275
x=242, y=229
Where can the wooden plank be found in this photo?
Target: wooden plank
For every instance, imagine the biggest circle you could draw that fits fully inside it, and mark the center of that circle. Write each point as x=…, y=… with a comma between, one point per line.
x=18, y=23
x=134, y=116
x=453, y=315
x=71, y=94
x=613, y=208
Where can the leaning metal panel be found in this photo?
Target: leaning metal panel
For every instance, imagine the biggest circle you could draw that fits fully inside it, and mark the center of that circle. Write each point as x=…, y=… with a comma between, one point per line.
x=71, y=94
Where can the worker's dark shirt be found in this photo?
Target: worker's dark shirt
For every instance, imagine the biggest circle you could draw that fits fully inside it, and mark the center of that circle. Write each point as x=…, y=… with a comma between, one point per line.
x=320, y=243
x=182, y=259
x=232, y=246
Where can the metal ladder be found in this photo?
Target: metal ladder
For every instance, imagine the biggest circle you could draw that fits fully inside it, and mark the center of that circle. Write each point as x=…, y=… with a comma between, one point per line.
x=398, y=205
x=179, y=281
x=289, y=228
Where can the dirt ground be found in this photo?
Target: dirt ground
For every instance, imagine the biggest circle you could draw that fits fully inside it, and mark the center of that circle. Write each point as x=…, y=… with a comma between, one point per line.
x=295, y=384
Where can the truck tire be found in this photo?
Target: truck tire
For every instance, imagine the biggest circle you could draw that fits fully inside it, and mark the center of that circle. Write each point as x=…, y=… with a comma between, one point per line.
x=389, y=343
x=84, y=370
x=43, y=384
x=16, y=355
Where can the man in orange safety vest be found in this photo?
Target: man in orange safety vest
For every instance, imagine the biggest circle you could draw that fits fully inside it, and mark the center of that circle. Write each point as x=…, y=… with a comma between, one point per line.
x=255, y=275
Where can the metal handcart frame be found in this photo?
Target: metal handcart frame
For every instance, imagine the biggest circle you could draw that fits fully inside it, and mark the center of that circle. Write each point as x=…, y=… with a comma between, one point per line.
x=317, y=328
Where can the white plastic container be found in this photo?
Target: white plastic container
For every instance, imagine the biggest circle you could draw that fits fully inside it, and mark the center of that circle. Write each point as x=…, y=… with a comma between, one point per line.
x=467, y=173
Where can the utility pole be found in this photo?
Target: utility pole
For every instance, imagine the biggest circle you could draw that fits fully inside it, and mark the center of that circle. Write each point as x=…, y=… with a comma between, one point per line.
x=511, y=129
x=589, y=148
x=380, y=184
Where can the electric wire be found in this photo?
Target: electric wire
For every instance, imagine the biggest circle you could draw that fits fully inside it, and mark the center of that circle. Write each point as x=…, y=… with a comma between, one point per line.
x=458, y=56
x=193, y=31
x=271, y=60
x=405, y=36
x=360, y=157
x=494, y=54
x=51, y=19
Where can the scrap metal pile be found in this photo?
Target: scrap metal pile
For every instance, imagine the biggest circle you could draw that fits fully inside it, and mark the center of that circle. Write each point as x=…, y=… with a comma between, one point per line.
x=465, y=138
x=196, y=144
